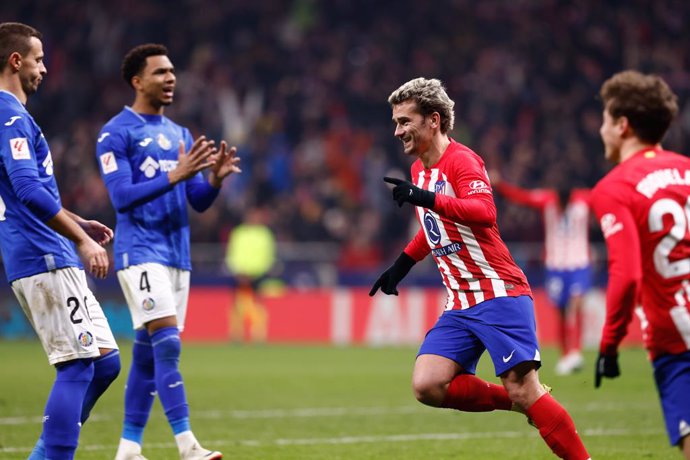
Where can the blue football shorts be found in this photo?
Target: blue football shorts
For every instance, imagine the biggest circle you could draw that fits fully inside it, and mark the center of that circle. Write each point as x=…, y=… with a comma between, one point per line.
x=504, y=326
x=672, y=376
x=561, y=285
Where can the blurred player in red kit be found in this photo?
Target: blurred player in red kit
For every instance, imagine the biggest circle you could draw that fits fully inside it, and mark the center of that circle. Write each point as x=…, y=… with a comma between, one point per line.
x=567, y=258
x=489, y=304
x=643, y=206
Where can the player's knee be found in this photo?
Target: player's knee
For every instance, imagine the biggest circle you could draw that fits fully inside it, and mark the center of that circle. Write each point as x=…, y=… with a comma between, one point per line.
x=109, y=367
x=428, y=391
x=166, y=344
x=77, y=370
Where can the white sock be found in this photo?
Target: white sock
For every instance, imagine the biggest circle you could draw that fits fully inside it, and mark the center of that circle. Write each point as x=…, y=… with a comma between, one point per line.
x=185, y=441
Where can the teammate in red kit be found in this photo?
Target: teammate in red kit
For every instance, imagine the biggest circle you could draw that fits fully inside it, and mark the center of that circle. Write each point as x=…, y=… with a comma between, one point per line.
x=566, y=258
x=489, y=304
x=643, y=206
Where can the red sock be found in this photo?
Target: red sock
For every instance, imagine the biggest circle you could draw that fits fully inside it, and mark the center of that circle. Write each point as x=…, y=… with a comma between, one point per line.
x=472, y=394
x=557, y=428
x=563, y=333
x=576, y=331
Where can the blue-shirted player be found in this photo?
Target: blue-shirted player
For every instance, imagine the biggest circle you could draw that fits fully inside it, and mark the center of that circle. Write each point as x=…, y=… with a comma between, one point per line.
x=41, y=245
x=151, y=167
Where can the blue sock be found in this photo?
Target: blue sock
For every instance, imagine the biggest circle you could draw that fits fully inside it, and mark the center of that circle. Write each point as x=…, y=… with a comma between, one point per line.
x=105, y=369
x=180, y=425
x=39, y=451
x=62, y=414
x=141, y=388
x=166, y=357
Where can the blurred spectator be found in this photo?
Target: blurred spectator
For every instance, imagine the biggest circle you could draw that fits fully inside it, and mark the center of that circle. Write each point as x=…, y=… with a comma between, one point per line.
x=300, y=86
x=249, y=257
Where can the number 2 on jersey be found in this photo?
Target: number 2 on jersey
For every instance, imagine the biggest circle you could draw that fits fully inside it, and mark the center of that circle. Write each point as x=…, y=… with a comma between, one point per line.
x=677, y=233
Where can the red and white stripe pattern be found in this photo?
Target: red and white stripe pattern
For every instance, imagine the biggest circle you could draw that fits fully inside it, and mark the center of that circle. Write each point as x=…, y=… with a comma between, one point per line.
x=566, y=234
x=482, y=268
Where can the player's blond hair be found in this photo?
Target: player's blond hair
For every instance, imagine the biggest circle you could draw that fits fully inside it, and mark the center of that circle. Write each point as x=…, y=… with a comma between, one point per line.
x=645, y=100
x=430, y=96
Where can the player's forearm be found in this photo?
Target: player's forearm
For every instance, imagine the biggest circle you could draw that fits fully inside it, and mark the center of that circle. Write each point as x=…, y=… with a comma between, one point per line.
x=78, y=219
x=620, y=303
x=418, y=248
x=475, y=211
x=201, y=194
x=67, y=226
x=519, y=195
x=126, y=195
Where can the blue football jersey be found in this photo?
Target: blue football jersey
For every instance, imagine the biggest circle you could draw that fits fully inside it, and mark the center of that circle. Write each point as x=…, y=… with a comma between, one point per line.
x=134, y=149
x=28, y=245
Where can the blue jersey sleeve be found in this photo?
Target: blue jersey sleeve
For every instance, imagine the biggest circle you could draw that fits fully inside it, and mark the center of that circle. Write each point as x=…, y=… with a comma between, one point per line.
x=111, y=150
x=21, y=166
x=200, y=194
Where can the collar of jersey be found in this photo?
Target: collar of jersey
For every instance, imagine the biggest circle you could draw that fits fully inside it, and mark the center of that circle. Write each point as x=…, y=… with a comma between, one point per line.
x=145, y=118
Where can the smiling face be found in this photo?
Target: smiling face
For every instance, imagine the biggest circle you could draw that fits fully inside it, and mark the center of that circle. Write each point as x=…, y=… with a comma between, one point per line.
x=155, y=84
x=412, y=128
x=31, y=67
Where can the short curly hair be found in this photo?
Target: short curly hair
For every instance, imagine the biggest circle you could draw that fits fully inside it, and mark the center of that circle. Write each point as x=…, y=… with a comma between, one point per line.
x=645, y=100
x=430, y=96
x=135, y=60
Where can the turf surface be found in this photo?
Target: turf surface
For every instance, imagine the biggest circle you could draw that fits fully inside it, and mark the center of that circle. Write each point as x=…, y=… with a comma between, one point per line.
x=299, y=402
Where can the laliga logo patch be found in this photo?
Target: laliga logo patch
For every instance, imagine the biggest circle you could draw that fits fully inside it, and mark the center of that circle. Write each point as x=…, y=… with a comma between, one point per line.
x=148, y=304
x=85, y=339
x=431, y=227
x=163, y=142
x=440, y=186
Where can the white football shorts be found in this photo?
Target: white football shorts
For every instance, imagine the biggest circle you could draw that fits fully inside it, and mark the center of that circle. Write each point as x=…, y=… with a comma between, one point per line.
x=66, y=316
x=155, y=291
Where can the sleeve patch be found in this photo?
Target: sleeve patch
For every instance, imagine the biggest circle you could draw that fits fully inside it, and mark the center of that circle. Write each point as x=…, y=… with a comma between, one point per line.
x=108, y=163
x=20, y=148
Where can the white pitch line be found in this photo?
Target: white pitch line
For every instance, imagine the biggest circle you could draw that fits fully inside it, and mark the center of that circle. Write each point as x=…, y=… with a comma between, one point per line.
x=327, y=412
x=393, y=438
x=259, y=414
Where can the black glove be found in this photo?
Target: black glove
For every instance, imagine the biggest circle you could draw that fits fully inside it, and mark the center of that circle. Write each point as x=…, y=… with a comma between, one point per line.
x=607, y=366
x=391, y=277
x=405, y=191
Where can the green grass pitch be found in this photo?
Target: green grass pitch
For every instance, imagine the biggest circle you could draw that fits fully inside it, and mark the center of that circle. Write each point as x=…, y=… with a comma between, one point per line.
x=300, y=402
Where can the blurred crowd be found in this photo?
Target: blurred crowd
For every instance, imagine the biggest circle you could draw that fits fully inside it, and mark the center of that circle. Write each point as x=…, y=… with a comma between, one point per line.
x=300, y=86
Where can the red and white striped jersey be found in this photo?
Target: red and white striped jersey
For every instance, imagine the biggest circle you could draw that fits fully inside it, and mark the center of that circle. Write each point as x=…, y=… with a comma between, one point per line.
x=643, y=206
x=566, y=231
x=461, y=231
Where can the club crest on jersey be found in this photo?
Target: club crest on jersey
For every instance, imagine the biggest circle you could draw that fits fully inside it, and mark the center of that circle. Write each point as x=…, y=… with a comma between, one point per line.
x=20, y=148
x=440, y=186
x=85, y=339
x=431, y=227
x=148, y=304
x=163, y=142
